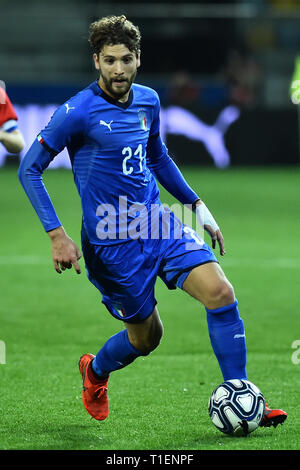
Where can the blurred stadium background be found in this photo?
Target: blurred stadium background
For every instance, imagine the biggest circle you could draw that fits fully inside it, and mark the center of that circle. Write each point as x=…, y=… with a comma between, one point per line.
x=222, y=69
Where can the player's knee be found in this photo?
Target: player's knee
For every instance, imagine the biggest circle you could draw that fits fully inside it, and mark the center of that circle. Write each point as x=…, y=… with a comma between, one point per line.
x=146, y=348
x=146, y=343
x=220, y=295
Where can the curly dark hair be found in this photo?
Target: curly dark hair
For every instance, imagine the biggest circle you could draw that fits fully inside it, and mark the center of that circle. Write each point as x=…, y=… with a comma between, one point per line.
x=111, y=30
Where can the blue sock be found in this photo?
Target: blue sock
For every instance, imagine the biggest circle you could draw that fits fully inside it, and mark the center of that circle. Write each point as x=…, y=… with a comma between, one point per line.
x=227, y=336
x=116, y=353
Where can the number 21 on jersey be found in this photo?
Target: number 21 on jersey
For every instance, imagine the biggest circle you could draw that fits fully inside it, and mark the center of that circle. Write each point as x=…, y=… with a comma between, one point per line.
x=128, y=154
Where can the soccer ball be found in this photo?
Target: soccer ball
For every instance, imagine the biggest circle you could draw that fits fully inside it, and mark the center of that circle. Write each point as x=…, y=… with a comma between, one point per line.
x=236, y=407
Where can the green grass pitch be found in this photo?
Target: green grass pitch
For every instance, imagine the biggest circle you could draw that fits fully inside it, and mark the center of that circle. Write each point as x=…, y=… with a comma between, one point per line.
x=158, y=402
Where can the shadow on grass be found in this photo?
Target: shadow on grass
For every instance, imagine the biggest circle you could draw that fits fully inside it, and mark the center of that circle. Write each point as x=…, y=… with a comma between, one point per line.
x=53, y=437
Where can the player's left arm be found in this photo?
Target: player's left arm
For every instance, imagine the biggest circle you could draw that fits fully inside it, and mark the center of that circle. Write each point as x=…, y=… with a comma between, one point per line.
x=13, y=141
x=170, y=177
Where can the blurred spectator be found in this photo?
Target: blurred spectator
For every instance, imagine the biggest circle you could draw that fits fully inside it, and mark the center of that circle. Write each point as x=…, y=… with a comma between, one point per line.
x=244, y=78
x=183, y=91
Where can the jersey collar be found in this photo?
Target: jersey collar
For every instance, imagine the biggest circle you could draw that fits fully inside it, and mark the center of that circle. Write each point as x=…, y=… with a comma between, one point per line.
x=111, y=100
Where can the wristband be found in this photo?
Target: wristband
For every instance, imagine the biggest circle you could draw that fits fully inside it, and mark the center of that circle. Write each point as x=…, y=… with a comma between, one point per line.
x=204, y=217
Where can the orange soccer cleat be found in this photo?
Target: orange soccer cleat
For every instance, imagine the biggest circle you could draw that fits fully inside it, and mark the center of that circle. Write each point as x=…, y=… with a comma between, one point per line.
x=94, y=391
x=273, y=417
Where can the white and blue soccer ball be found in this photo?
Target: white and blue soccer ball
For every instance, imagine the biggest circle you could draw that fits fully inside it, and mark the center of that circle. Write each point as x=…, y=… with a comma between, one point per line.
x=236, y=407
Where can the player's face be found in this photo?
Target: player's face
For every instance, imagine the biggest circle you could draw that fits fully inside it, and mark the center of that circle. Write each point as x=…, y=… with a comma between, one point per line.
x=118, y=68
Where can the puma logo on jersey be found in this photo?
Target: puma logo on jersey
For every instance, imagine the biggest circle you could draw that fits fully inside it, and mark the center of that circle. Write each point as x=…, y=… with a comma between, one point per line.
x=68, y=107
x=103, y=123
x=238, y=336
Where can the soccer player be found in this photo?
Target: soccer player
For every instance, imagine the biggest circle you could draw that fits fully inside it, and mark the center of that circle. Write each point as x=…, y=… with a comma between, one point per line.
x=112, y=133
x=10, y=135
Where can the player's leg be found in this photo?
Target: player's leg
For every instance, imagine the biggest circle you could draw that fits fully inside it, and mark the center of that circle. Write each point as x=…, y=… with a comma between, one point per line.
x=190, y=264
x=123, y=276
x=208, y=284
x=137, y=339
x=145, y=336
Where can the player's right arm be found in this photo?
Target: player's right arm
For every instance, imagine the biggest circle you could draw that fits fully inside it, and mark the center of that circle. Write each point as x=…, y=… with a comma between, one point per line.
x=51, y=141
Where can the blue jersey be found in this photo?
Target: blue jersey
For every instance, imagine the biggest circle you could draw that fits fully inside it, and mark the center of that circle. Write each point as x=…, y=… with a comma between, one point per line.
x=107, y=143
x=115, y=150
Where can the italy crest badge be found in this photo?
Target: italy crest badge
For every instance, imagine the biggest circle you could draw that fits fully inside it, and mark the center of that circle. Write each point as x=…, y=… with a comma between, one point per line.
x=143, y=119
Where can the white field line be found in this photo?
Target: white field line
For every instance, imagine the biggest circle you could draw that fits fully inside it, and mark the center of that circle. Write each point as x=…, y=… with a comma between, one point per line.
x=24, y=260
x=284, y=263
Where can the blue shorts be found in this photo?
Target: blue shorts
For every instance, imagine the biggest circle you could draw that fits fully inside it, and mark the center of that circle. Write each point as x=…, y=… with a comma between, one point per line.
x=126, y=273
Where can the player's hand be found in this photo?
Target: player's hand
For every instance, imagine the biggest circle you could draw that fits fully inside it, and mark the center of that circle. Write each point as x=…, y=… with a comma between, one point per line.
x=209, y=224
x=216, y=236
x=12, y=141
x=65, y=253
